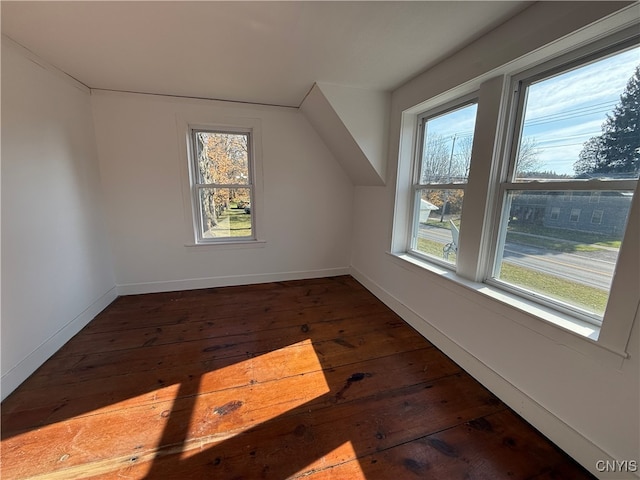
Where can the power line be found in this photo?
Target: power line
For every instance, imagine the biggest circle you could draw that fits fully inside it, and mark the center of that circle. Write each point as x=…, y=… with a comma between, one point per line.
x=570, y=114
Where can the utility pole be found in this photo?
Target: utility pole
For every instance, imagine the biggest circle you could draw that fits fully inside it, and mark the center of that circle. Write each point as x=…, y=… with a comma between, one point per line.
x=446, y=192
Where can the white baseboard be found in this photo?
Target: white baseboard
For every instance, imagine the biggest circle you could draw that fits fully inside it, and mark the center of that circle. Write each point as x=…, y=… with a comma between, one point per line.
x=576, y=445
x=18, y=374
x=227, y=281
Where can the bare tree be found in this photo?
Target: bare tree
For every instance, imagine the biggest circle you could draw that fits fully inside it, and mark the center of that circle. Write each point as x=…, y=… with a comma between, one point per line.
x=441, y=160
x=528, y=156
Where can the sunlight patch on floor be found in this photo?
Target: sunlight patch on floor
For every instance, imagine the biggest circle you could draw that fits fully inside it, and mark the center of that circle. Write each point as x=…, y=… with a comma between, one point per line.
x=230, y=411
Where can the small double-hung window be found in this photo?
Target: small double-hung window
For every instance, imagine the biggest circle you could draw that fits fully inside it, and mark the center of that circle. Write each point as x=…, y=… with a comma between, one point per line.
x=441, y=173
x=568, y=186
x=222, y=185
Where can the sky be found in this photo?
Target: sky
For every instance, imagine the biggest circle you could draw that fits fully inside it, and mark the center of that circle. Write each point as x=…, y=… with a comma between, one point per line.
x=565, y=111
x=562, y=112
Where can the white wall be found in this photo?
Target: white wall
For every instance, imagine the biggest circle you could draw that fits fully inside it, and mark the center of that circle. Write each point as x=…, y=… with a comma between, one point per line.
x=306, y=210
x=587, y=406
x=56, y=264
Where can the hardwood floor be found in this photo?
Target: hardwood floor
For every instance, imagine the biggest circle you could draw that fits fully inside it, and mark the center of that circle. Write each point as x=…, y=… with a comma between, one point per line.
x=313, y=379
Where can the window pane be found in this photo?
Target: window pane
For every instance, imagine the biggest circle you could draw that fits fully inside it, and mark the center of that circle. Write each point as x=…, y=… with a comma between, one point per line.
x=583, y=123
x=438, y=223
x=225, y=212
x=222, y=158
x=555, y=249
x=446, y=148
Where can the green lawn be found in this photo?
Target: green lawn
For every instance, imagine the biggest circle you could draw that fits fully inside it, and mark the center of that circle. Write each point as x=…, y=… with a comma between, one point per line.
x=431, y=247
x=584, y=238
x=555, y=239
x=232, y=223
x=239, y=222
x=432, y=222
x=589, y=298
x=555, y=244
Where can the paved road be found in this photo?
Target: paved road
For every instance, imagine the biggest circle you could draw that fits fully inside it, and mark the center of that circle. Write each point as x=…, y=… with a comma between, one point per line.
x=578, y=267
x=589, y=268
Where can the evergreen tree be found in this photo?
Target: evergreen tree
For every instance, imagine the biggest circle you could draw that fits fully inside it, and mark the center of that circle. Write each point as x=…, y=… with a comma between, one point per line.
x=617, y=149
x=591, y=155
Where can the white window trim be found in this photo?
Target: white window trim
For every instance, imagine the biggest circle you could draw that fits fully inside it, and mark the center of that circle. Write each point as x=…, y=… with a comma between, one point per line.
x=606, y=343
x=576, y=212
x=185, y=158
x=513, y=112
x=599, y=217
x=461, y=102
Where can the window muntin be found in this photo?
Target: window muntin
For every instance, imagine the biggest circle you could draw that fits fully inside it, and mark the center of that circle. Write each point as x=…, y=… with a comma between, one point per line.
x=442, y=170
x=560, y=113
x=222, y=185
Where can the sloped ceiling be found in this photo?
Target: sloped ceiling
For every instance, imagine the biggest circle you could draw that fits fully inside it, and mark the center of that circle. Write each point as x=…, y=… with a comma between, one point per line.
x=258, y=52
x=353, y=124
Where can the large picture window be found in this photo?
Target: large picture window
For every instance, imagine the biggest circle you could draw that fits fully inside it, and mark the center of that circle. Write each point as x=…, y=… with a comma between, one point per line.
x=575, y=138
x=222, y=185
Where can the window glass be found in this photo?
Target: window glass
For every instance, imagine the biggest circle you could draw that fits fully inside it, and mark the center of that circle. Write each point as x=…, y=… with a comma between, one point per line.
x=582, y=123
x=563, y=256
x=438, y=223
x=596, y=216
x=446, y=147
x=222, y=158
x=225, y=212
x=443, y=170
x=567, y=257
x=223, y=188
x=560, y=246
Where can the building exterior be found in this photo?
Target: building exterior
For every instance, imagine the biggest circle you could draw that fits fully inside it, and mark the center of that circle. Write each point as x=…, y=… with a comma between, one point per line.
x=591, y=211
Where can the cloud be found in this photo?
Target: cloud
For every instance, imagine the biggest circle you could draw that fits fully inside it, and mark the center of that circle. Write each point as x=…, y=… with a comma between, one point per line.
x=458, y=122
x=596, y=83
x=566, y=110
x=566, y=132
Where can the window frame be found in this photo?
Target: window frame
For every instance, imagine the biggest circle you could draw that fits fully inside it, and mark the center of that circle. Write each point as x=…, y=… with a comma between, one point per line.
x=606, y=342
x=197, y=187
x=575, y=212
x=422, y=119
x=219, y=122
x=507, y=181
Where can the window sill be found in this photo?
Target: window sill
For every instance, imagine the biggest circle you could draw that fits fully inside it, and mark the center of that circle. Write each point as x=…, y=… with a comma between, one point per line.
x=557, y=326
x=228, y=244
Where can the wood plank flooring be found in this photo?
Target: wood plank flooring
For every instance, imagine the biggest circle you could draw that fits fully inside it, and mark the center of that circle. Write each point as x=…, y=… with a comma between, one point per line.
x=303, y=379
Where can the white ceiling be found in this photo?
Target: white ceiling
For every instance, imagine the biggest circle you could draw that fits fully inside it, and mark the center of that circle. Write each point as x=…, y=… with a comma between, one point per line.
x=259, y=52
